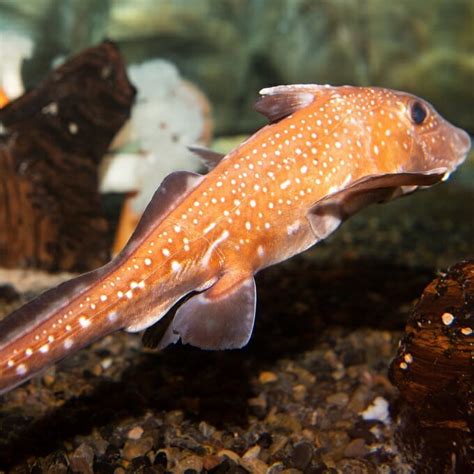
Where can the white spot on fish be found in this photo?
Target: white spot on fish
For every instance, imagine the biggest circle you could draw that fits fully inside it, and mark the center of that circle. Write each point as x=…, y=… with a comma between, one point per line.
x=112, y=316
x=29, y=352
x=285, y=184
x=175, y=266
x=84, y=322
x=129, y=294
x=68, y=343
x=147, y=261
x=44, y=348
x=21, y=369
x=165, y=252
x=103, y=297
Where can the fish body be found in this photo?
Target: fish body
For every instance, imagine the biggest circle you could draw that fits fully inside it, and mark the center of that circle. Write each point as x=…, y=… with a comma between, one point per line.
x=326, y=153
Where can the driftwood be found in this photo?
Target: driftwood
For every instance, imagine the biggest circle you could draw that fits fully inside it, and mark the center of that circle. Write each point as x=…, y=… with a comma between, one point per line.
x=53, y=138
x=434, y=372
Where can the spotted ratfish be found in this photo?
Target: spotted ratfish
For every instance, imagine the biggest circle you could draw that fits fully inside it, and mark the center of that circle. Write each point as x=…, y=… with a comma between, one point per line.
x=326, y=153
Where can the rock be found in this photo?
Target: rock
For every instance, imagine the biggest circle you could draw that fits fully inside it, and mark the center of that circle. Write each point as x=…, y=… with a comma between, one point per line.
x=254, y=466
x=267, y=377
x=299, y=392
x=82, y=460
x=8, y=293
x=339, y=398
x=433, y=371
x=265, y=440
x=210, y=461
x=377, y=410
x=356, y=449
x=282, y=421
x=136, y=448
x=229, y=454
x=135, y=433
x=252, y=453
x=302, y=454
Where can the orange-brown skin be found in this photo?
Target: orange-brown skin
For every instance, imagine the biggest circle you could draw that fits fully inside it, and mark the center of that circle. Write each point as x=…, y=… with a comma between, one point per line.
x=251, y=211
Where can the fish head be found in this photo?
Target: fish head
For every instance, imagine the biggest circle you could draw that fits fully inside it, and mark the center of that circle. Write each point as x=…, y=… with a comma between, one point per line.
x=426, y=142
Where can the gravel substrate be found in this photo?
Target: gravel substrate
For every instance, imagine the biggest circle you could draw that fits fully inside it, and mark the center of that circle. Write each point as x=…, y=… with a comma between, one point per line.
x=309, y=394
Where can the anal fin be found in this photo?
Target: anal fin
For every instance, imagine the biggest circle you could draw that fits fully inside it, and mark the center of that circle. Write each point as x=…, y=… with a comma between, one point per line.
x=222, y=317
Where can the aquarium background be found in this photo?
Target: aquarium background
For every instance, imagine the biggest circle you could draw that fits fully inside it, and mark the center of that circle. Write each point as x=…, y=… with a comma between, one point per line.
x=232, y=48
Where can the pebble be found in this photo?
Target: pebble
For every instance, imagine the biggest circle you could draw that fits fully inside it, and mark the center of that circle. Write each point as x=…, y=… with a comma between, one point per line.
x=210, y=461
x=340, y=398
x=136, y=448
x=284, y=422
x=356, y=449
x=229, y=454
x=190, y=463
x=135, y=433
x=299, y=392
x=302, y=454
x=265, y=440
x=49, y=377
x=377, y=410
x=253, y=452
x=82, y=459
x=267, y=377
x=255, y=466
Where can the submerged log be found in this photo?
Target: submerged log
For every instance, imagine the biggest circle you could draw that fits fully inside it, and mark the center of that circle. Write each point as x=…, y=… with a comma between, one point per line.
x=434, y=372
x=54, y=137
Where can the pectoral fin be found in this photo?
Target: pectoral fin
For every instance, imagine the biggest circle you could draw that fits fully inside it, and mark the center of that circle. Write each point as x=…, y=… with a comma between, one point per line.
x=220, y=318
x=328, y=213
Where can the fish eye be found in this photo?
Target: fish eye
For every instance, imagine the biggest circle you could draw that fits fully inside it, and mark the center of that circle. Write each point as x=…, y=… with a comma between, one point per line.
x=418, y=113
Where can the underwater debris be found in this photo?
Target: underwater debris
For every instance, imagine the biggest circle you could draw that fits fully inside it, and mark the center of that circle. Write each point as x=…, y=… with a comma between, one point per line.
x=55, y=137
x=170, y=114
x=433, y=371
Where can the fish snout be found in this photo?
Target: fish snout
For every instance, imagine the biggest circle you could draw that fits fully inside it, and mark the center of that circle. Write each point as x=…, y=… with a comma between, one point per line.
x=461, y=143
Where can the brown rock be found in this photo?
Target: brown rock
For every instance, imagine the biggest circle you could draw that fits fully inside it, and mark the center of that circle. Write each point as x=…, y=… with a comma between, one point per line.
x=135, y=448
x=356, y=449
x=82, y=459
x=267, y=377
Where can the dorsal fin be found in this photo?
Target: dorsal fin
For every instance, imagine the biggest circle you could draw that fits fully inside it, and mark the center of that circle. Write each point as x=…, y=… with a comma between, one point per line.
x=170, y=193
x=280, y=101
x=210, y=158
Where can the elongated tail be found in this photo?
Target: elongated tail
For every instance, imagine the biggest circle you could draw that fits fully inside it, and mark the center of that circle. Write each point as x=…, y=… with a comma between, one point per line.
x=49, y=328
